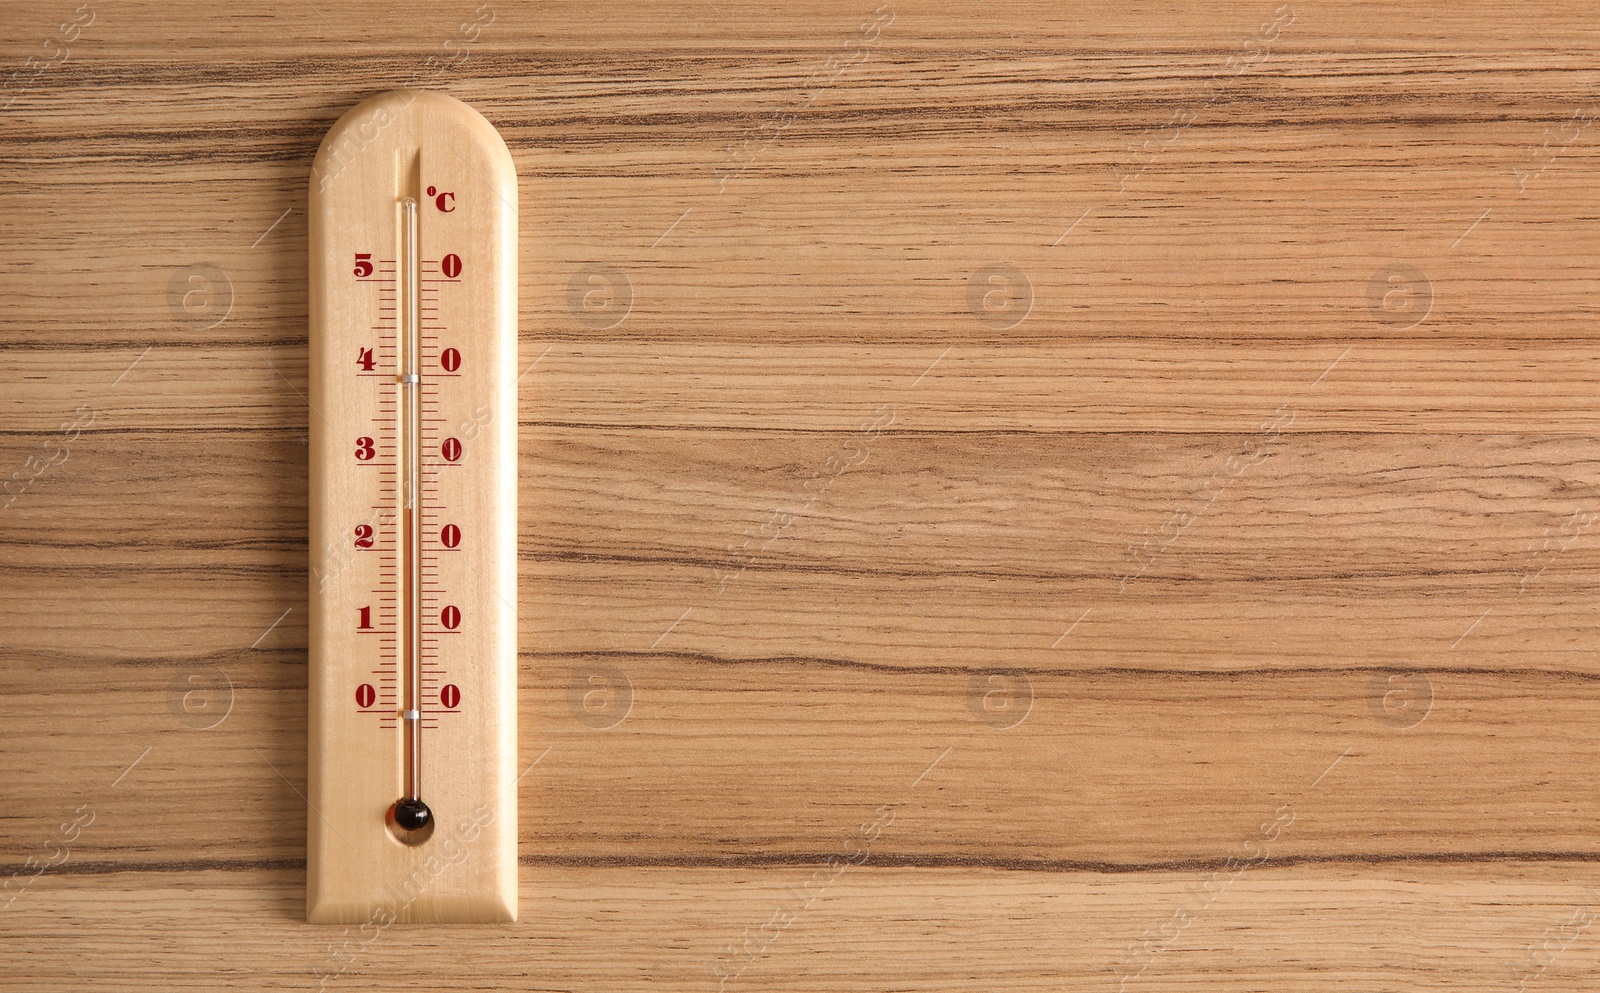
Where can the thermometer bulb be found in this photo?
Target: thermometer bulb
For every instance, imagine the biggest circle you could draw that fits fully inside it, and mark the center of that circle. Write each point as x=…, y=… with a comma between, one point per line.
x=412, y=814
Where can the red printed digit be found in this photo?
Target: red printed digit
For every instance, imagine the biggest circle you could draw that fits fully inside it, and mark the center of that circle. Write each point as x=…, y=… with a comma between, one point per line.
x=450, y=536
x=450, y=696
x=451, y=265
x=363, y=264
x=364, y=449
x=365, y=360
x=363, y=535
x=365, y=695
x=451, y=450
x=450, y=617
x=450, y=359
x=366, y=619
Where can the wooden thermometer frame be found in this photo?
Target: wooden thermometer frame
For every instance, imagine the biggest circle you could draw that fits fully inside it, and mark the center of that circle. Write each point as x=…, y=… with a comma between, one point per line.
x=462, y=243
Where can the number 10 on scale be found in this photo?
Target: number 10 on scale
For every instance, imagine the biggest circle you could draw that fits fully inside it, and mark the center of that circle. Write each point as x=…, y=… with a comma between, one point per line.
x=413, y=517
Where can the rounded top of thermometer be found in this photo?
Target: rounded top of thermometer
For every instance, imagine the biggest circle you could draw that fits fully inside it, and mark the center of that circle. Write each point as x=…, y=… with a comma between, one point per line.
x=422, y=116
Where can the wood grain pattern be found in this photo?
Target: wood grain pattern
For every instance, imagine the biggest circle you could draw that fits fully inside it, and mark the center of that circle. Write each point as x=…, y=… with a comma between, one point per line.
x=1010, y=496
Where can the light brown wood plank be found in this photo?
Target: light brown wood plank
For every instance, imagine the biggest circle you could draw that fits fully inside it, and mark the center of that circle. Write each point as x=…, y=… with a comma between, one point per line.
x=855, y=928
x=1092, y=387
x=977, y=549
x=651, y=757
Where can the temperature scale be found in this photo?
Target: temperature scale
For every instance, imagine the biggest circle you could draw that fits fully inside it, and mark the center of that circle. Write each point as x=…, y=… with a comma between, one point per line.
x=413, y=811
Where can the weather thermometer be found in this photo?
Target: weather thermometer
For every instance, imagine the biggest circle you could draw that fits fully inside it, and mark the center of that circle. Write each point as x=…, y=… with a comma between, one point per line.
x=413, y=222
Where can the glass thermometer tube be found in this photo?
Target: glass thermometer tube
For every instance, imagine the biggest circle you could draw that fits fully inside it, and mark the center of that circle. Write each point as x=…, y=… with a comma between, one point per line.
x=410, y=812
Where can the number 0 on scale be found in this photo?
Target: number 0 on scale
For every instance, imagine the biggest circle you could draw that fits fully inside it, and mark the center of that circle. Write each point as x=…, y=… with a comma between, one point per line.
x=413, y=253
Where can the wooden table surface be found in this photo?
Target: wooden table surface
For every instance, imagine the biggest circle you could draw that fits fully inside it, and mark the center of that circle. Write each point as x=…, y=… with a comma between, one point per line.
x=1012, y=497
